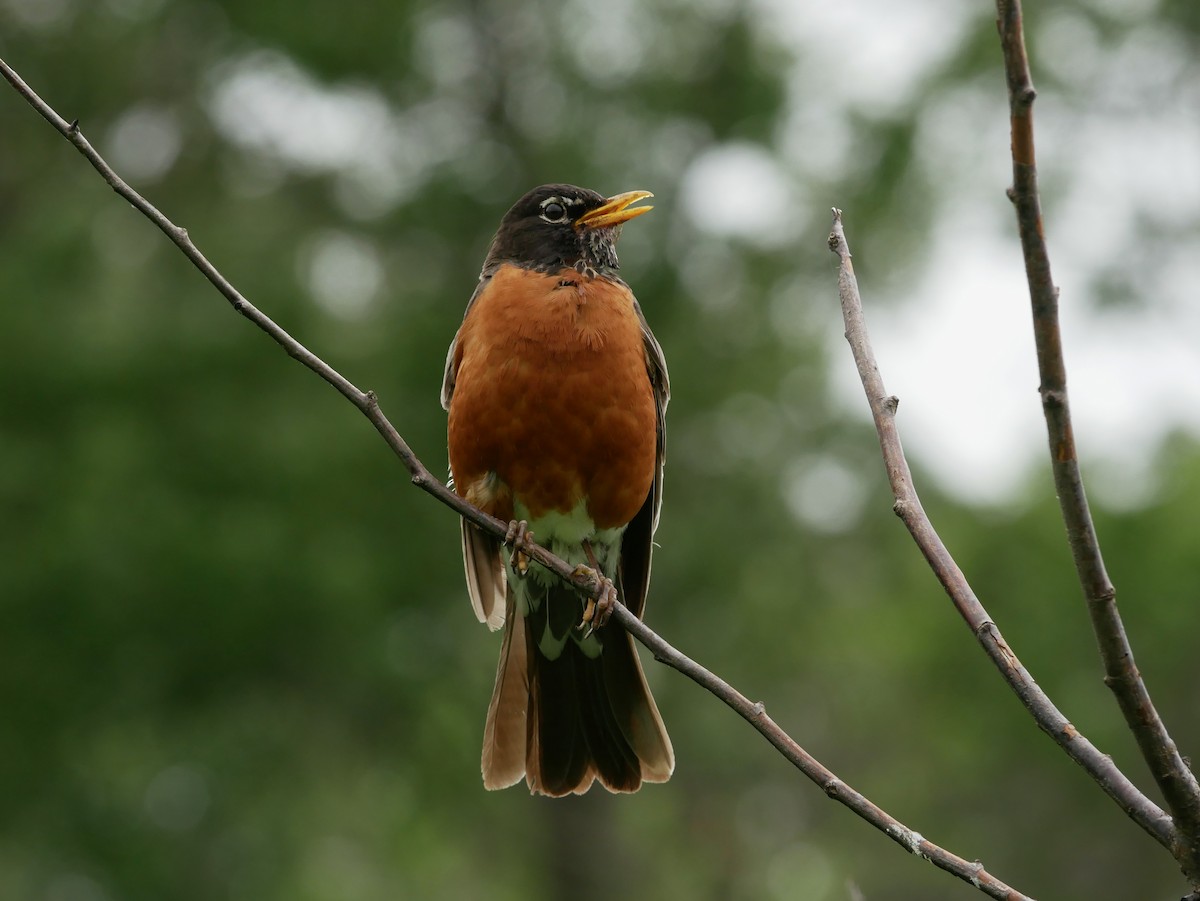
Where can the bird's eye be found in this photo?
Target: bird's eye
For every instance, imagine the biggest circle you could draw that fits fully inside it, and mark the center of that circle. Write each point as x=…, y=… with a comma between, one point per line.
x=554, y=212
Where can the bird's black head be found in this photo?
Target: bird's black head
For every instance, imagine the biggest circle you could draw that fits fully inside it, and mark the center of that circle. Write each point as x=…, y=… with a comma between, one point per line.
x=556, y=226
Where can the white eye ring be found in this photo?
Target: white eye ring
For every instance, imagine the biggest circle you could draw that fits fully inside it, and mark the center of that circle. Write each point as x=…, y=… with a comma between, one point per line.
x=553, y=210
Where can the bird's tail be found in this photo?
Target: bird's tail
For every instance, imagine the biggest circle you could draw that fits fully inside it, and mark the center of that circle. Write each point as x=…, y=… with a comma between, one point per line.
x=567, y=721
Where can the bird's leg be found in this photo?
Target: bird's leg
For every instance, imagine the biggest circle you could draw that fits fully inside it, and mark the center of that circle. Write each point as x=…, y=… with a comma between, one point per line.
x=597, y=610
x=518, y=533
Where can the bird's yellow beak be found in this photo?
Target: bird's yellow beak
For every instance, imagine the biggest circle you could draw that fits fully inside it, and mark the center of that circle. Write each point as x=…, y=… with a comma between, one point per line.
x=615, y=210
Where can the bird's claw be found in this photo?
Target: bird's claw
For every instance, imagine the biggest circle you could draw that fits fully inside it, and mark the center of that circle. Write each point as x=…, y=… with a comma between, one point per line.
x=597, y=610
x=517, y=535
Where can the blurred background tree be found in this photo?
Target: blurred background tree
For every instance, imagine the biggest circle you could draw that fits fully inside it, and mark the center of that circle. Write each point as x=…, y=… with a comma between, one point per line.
x=237, y=657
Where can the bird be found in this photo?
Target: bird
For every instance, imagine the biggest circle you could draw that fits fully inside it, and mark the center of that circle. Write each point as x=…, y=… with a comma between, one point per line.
x=556, y=392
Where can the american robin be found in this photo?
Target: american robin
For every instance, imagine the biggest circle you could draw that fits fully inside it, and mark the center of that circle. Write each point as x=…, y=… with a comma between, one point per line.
x=556, y=391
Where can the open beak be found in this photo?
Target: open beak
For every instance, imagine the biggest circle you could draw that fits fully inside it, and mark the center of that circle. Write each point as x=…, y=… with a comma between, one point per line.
x=615, y=210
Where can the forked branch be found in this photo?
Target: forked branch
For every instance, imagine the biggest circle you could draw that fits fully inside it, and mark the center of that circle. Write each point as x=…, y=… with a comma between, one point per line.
x=908, y=507
x=1175, y=780
x=972, y=872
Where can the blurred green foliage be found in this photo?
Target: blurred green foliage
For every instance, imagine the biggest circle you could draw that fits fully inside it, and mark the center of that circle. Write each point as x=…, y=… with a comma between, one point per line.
x=237, y=657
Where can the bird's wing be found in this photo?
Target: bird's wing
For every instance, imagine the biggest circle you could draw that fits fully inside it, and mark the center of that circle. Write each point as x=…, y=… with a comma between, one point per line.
x=482, y=562
x=638, y=542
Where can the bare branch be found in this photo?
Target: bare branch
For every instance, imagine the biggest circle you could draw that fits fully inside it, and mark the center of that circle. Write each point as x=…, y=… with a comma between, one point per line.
x=972, y=872
x=908, y=507
x=756, y=715
x=1174, y=779
x=364, y=400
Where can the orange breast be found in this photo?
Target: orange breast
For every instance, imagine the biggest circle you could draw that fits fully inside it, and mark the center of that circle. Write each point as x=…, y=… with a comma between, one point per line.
x=552, y=397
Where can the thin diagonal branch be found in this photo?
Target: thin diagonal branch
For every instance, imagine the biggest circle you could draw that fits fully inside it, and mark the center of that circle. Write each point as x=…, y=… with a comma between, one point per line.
x=364, y=400
x=1174, y=779
x=756, y=715
x=908, y=507
x=972, y=872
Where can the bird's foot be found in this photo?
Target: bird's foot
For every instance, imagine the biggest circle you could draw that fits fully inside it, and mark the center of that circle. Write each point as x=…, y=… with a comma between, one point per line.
x=598, y=609
x=517, y=535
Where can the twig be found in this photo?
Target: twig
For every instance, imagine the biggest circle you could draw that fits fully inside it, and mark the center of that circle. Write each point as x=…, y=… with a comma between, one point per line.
x=908, y=507
x=755, y=714
x=364, y=400
x=1174, y=779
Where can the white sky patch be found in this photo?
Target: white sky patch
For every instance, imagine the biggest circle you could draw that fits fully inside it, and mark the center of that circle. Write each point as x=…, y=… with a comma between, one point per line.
x=445, y=48
x=869, y=53
x=609, y=39
x=1120, y=169
x=343, y=273
x=1134, y=376
x=267, y=104
x=739, y=190
x=958, y=352
x=1148, y=167
x=824, y=494
x=144, y=142
x=817, y=140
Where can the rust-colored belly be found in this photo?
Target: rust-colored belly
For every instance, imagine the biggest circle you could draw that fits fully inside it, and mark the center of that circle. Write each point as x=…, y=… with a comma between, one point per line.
x=553, y=398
